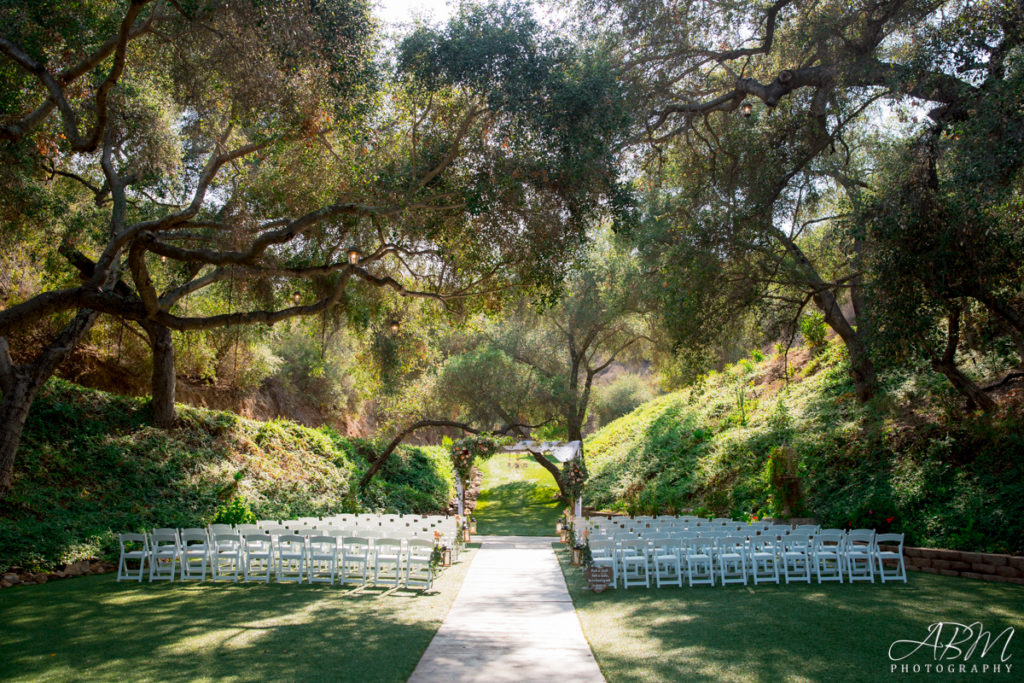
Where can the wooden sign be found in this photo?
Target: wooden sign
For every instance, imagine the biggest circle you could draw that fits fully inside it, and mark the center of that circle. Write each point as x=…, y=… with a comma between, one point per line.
x=598, y=577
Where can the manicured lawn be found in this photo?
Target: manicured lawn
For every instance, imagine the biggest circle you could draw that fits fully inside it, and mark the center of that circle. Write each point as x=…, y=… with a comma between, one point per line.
x=826, y=632
x=517, y=498
x=99, y=630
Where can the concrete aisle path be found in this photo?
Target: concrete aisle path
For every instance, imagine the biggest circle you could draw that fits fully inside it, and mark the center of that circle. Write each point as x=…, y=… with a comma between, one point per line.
x=513, y=620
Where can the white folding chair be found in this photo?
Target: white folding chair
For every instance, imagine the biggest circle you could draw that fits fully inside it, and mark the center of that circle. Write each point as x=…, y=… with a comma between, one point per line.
x=134, y=548
x=699, y=554
x=195, y=553
x=355, y=552
x=633, y=559
x=387, y=556
x=828, y=555
x=732, y=559
x=668, y=570
x=225, y=556
x=323, y=559
x=859, y=555
x=164, y=554
x=246, y=529
x=796, y=557
x=764, y=567
x=892, y=557
x=258, y=556
x=291, y=558
x=418, y=572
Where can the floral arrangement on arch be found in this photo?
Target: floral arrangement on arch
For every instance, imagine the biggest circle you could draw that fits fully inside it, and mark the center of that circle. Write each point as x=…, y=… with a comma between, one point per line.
x=574, y=474
x=465, y=451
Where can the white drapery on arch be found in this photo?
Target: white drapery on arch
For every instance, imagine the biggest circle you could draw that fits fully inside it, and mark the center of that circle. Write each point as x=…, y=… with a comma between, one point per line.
x=561, y=451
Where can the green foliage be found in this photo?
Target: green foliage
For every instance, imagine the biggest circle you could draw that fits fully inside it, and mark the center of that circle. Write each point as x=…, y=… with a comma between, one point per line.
x=236, y=511
x=622, y=395
x=812, y=327
x=946, y=480
x=91, y=466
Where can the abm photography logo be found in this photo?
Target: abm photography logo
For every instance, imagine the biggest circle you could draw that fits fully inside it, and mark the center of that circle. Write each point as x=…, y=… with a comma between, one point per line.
x=954, y=648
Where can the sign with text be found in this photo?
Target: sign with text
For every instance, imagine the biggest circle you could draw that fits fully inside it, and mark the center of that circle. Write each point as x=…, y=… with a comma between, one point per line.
x=599, y=578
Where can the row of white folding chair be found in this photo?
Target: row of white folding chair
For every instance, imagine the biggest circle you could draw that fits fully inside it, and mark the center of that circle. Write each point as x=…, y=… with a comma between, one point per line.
x=292, y=556
x=394, y=561
x=832, y=555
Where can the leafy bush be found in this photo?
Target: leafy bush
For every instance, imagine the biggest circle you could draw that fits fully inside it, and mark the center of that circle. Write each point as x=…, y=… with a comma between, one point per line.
x=812, y=327
x=237, y=511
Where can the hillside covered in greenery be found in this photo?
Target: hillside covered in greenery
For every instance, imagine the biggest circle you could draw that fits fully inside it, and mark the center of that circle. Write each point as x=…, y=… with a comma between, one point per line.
x=91, y=466
x=736, y=442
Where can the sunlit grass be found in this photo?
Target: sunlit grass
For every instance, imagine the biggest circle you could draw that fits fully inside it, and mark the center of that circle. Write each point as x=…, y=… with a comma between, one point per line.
x=828, y=632
x=96, y=629
x=518, y=498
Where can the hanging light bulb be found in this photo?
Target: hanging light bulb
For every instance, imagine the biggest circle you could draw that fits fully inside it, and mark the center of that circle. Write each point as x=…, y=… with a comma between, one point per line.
x=394, y=325
x=747, y=109
x=353, y=256
x=163, y=259
x=296, y=297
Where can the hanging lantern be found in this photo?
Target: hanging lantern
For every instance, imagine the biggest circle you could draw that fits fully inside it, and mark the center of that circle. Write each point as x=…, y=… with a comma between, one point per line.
x=296, y=297
x=394, y=326
x=747, y=109
x=353, y=256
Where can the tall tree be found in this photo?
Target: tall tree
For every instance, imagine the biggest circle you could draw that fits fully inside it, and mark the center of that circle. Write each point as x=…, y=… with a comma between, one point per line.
x=252, y=153
x=766, y=93
x=538, y=366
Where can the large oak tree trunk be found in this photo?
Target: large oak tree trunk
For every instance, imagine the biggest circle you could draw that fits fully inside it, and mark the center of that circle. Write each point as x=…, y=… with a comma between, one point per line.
x=976, y=396
x=862, y=369
x=20, y=385
x=163, y=385
x=17, y=399
x=556, y=473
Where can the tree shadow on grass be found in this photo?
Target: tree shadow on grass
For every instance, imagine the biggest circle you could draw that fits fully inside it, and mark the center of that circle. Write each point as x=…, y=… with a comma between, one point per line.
x=97, y=629
x=830, y=632
x=519, y=508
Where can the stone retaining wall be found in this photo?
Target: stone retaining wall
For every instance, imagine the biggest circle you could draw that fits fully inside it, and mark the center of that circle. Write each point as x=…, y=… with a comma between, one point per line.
x=984, y=566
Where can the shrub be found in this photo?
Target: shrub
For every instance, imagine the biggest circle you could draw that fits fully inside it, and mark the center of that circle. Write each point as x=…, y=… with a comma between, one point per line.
x=812, y=327
x=237, y=511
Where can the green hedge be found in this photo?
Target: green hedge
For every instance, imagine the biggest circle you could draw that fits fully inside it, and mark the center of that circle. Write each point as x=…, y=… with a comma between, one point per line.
x=908, y=461
x=90, y=466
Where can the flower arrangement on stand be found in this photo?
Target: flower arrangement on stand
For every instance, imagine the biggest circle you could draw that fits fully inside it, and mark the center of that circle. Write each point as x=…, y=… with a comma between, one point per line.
x=581, y=555
x=441, y=555
x=566, y=526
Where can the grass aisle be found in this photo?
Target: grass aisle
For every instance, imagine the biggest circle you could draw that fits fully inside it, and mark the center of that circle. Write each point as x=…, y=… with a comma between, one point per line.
x=517, y=498
x=94, y=628
x=827, y=632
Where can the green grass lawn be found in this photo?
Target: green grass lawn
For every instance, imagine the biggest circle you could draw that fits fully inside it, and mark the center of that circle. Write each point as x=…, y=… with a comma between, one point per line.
x=517, y=498
x=826, y=632
x=96, y=629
